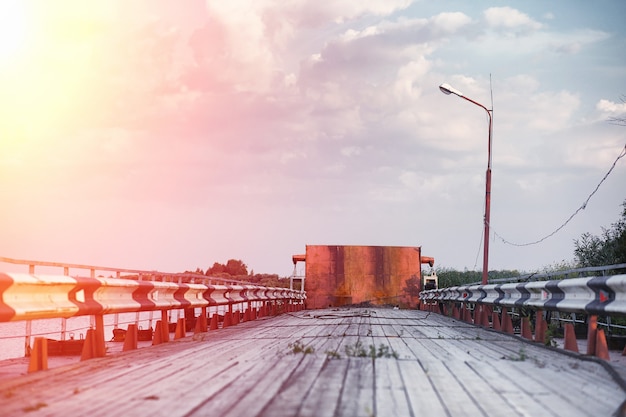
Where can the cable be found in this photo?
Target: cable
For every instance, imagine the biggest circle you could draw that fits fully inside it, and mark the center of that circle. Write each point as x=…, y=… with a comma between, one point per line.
x=480, y=243
x=584, y=205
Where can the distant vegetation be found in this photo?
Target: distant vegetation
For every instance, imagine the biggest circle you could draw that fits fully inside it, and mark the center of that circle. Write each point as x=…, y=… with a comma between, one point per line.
x=607, y=249
x=235, y=269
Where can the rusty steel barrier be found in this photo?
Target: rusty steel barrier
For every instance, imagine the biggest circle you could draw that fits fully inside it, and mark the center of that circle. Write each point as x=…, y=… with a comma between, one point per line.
x=536, y=300
x=25, y=297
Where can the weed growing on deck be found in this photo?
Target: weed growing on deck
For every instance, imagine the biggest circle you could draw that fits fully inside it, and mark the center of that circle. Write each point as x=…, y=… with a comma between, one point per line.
x=299, y=347
x=358, y=350
x=521, y=357
x=333, y=354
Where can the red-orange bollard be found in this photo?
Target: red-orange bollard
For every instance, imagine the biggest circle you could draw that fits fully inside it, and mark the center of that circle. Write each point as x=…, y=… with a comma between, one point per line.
x=246, y=314
x=526, y=333
x=198, y=327
x=570, y=338
x=180, y=329
x=253, y=313
x=201, y=322
x=157, y=337
x=89, y=347
x=455, y=313
x=214, y=322
x=39, y=355
x=484, y=317
x=592, y=330
x=468, y=316
x=602, y=349
x=496, y=321
x=540, y=327
x=130, y=342
x=228, y=320
x=507, y=323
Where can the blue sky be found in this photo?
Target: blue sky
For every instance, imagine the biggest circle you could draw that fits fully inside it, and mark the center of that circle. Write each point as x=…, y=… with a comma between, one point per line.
x=142, y=135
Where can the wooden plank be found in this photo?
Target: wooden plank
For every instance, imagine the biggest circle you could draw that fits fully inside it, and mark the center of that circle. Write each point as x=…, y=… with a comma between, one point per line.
x=322, y=399
x=357, y=392
x=391, y=395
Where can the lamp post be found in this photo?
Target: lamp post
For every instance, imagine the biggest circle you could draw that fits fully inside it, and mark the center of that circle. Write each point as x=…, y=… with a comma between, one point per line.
x=447, y=89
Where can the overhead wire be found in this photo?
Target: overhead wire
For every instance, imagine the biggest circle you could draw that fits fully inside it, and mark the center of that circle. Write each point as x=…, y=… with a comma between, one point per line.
x=582, y=207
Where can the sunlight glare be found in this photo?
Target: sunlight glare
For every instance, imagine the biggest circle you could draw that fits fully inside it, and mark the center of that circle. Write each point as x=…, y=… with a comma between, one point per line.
x=12, y=28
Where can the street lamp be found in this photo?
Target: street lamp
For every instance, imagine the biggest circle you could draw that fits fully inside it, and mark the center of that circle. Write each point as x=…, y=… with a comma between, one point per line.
x=447, y=89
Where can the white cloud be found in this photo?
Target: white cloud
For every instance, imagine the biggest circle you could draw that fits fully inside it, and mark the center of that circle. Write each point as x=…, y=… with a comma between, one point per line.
x=509, y=18
x=611, y=108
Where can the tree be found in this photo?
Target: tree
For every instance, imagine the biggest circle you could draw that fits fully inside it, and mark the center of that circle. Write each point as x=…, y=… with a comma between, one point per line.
x=236, y=267
x=216, y=269
x=607, y=249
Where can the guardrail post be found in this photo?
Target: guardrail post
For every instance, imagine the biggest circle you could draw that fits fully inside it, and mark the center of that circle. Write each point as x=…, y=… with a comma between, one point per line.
x=540, y=327
x=39, y=355
x=130, y=341
x=570, y=338
x=157, y=338
x=495, y=320
x=507, y=323
x=592, y=329
x=602, y=350
x=99, y=336
x=526, y=333
x=165, y=327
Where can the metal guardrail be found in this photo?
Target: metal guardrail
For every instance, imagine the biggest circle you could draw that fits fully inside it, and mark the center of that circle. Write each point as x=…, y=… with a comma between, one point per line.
x=28, y=297
x=150, y=275
x=602, y=295
x=565, y=274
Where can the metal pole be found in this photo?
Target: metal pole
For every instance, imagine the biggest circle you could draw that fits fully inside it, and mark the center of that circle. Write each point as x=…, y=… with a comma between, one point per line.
x=487, y=218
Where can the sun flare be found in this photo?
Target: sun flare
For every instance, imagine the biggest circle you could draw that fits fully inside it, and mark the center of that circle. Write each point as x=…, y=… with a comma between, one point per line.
x=12, y=28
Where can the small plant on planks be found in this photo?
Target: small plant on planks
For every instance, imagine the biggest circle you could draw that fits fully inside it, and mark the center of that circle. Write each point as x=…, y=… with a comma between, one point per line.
x=358, y=350
x=298, y=347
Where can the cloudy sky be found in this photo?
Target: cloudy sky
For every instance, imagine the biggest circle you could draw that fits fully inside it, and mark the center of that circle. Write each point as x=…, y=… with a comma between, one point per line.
x=155, y=134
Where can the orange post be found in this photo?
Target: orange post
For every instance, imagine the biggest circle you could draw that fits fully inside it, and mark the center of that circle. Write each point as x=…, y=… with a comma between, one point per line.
x=227, y=320
x=39, y=355
x=496, y=321
x=180, y=329
x=570, y=338
x=592, y=330
x=89, y=347
x=540, y=327
x=507, y=323
x=130, y=342
x=214, y=322
x=157, y=337
x=165, y=327
x=602, y=349
x=526, y=333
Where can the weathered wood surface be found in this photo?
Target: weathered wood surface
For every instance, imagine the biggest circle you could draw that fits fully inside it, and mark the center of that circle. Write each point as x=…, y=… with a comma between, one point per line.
x=436, y=366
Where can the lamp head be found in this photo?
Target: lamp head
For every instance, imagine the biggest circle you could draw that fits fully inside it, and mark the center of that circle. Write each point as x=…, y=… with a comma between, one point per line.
x=448, y=89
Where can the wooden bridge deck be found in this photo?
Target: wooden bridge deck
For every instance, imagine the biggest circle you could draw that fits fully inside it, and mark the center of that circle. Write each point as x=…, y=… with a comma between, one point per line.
x=310, y=364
